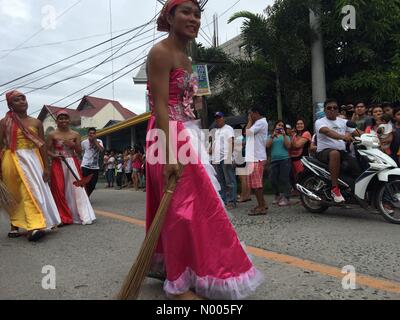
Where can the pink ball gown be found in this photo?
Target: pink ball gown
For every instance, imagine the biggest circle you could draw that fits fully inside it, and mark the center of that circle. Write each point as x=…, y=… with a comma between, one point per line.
x=198, y=248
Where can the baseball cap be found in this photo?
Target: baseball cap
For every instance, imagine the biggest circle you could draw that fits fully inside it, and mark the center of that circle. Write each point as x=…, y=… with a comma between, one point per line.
x=219, y=114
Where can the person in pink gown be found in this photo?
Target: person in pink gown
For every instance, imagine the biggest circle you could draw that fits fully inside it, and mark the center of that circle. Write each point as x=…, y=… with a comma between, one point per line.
x=198, y=252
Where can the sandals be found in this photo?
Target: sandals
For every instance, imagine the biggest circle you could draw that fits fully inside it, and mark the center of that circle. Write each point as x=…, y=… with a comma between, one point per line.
x=156, y=275
x=230, y=206
x=189, y=295
x=241, y=201
x=36, y=235
x=14, y=234
x=258, y=212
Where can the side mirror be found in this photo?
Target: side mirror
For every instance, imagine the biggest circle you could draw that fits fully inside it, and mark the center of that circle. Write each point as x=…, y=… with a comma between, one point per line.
x=351, y=124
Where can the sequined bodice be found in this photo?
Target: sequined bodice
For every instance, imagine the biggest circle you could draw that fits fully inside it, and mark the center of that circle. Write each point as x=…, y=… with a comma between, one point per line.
x=23, y=142
x=182, y=88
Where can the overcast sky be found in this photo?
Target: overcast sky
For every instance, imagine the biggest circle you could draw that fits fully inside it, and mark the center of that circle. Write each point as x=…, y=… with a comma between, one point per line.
x=41, y=32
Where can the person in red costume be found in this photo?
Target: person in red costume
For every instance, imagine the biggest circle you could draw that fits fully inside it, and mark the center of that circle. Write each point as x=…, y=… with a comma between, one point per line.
x=72, y=202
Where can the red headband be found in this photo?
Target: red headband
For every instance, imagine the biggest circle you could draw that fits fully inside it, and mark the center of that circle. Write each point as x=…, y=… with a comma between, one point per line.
x=162, y=22
x=10, y=95
x=62, y=113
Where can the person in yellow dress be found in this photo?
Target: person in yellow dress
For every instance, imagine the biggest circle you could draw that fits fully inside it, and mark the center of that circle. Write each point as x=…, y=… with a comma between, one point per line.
x=25, y=170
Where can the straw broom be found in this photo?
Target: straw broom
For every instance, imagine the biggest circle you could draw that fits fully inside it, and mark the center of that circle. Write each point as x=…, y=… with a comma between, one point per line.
x=133, y=282
x=6, y=198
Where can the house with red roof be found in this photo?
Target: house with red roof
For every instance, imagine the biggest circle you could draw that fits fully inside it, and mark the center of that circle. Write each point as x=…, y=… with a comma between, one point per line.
x=91, y=112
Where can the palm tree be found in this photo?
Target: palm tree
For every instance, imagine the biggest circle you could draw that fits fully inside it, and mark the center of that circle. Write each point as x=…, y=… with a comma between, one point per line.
x=261, y=39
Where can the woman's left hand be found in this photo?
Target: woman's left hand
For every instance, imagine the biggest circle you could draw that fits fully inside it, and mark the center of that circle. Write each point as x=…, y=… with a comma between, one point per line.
x=46, y=175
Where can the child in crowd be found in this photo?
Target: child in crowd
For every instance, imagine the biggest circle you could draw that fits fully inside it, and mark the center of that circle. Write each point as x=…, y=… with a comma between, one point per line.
x=119, y=172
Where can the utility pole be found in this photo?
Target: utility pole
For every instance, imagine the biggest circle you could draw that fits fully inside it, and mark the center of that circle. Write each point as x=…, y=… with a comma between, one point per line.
x=317, y=65
x=216, y=31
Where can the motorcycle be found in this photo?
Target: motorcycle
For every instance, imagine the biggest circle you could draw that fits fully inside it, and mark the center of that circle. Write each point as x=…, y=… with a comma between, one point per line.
x=377, y=187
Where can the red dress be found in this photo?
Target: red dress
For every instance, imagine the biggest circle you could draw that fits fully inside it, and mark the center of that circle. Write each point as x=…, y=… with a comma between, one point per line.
x=72, y=202
x=198, y=247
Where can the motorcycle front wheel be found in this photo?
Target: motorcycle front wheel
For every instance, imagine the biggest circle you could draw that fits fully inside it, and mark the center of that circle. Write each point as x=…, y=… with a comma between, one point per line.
x=388, y=201
x=313, y=184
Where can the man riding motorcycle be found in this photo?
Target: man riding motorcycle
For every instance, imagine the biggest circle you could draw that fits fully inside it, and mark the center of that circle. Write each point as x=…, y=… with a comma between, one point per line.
x=332, y=136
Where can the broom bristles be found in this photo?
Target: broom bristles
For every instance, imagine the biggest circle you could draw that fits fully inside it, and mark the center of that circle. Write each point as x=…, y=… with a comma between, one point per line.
x=7, y=200
x=133, y=282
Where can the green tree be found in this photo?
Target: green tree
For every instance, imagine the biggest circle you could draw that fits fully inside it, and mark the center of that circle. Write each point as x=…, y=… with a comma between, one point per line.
x=363, y=63
x=281, y=38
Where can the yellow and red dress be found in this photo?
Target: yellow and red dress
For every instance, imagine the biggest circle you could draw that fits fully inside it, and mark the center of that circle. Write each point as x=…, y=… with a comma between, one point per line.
x=22, y=172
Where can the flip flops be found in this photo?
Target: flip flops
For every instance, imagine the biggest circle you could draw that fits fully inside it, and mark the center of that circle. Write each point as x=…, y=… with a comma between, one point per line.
x=36, y=235
x=241, y=201
x=14, y=234
x=156, y=275
x=258, y=212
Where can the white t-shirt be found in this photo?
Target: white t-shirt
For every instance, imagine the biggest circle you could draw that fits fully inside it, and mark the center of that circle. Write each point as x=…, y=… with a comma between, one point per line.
x=222, y=144
x=256, y=141
x=111, y=163
x=325, y=142
x=91, y=155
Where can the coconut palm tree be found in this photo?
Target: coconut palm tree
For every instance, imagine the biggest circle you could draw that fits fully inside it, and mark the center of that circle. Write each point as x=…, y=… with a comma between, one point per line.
x=260, y=37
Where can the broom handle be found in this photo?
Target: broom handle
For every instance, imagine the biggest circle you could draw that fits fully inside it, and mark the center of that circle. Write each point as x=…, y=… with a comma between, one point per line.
x=130, y=289
x=70, y=169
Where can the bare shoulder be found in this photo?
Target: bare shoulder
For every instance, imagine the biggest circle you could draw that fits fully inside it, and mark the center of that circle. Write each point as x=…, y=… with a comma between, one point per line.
x=76, y=133
x=159, y=50
x=51, y=134
x=36, y=122
x=160, y=54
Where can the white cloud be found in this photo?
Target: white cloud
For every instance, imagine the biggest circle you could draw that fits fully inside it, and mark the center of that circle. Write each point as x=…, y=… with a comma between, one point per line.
x=14, y=9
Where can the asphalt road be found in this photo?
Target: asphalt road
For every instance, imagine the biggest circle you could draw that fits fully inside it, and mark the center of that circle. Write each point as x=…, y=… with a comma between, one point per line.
x=301, y=254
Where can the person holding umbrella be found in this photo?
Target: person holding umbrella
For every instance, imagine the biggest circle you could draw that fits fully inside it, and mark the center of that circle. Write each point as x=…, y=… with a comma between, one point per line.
x=198, y=249
x=64, y=145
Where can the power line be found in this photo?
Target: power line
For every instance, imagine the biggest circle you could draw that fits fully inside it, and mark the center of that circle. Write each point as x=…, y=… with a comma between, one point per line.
x=201, y=32
x=101, y=63
x=155, y=25
x=40, y=30
x=74, y=55
x=222, y=14
x=208, y=25
x=41, y=77
x=112, y=50
x=41, y=45
x=88, y=70
x=45, y=87
x=105, y=77
x=88, y=86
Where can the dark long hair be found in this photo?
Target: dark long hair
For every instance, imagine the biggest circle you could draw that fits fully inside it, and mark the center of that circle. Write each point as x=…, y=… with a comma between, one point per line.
x=295, y=126
x=284, y=125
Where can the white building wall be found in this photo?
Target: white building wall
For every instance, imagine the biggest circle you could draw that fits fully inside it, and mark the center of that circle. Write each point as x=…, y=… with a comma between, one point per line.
x=49, y=122
x=102, y=117
x=234, y=47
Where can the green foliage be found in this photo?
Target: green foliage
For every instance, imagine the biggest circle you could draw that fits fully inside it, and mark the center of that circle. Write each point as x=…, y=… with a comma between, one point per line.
x=363, y=63
x=360, y=64
x=82, y=131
